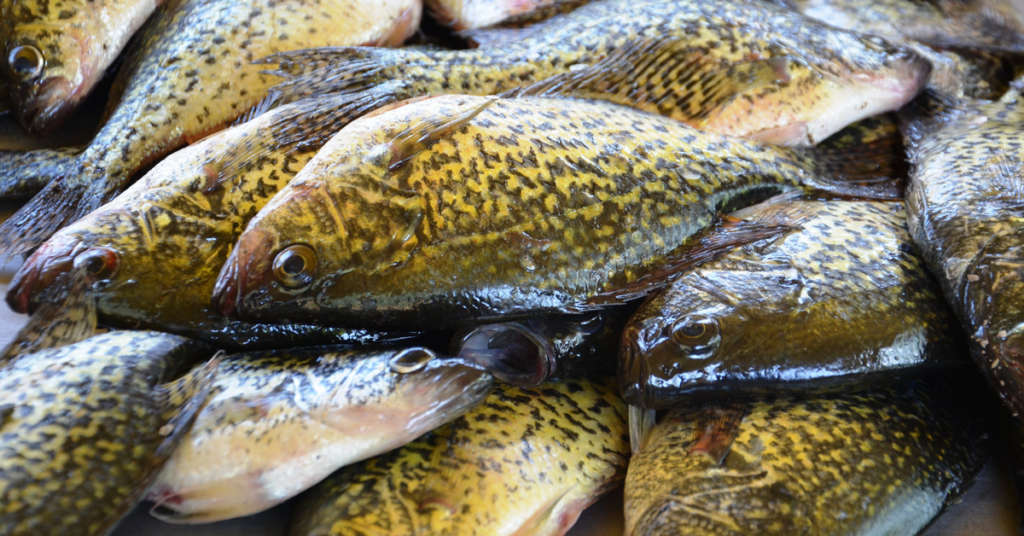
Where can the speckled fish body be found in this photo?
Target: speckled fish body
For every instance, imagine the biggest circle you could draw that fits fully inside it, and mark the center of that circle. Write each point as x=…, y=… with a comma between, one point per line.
x=532, y=351
x=276, y=423
x=54, y=52
x=190, y=73
x=463, y=209
x=883, y=462
x=526, y=462
x=86, y=427
x=739, y=67
x=846, y=287
x=973, y=28
x=157, y=248
x=962, y=209
x=475, y=14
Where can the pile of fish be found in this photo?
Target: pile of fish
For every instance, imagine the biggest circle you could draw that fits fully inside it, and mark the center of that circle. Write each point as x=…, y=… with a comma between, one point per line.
x=464, y=276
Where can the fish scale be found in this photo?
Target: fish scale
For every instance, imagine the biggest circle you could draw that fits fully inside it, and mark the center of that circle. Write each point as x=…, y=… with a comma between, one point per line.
x=525, y=462
x=508, y=207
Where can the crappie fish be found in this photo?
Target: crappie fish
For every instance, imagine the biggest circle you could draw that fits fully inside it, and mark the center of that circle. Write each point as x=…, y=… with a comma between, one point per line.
x=474, y=14
x=55, y=52
x=276, y=423
x=190, y=73
x=882, y=462
x=157, y=248
x=67, y=315
x=526, y=462
x=847, y=269
x=86, y=427
x=530, y=352
x=24, y=174
x=962, y=209
x=463, y=209
x=739, y=67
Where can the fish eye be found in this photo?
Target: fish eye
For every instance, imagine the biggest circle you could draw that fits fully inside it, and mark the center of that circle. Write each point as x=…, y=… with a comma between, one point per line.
x=100, y=263
x=294, y=267
x=26, y=62
x=411, y=360
x=698, y=335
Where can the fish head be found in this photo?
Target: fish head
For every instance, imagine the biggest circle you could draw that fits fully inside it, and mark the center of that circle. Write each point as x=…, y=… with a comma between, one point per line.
x=434, y=390
x=48, y=73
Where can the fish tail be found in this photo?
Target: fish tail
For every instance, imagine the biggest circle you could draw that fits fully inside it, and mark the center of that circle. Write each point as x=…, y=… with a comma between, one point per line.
x=25, y=173
x=927, y=113
x=875, y=170
x=59, y=204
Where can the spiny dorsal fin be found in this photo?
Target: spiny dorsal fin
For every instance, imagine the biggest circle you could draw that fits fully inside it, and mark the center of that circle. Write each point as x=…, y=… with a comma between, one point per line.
x=422, y=134
x=716, y=429
x=667, y=76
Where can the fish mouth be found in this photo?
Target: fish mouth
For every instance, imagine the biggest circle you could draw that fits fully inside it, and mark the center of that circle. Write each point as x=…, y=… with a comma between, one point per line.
x=53, y=258
x=248, y=266
x=633, y=369
x=512, y=352
x=46, y=106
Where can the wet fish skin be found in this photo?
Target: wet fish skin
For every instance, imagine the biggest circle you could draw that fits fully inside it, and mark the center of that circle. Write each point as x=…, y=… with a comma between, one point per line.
x=74, y=42
x=545, y=454
x=518, y=187
x=24, y=174
x=276, y=423
x=72, y=459
x=189, y=74
x=530, y=352
x=962, y=212
x=474, y=14
x=161, y=243
x=887, y=461
x=848, y=269
x=741, y=67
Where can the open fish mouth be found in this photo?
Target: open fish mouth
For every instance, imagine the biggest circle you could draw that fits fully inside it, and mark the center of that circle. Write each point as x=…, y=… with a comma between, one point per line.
x=42, y=268
x=511, y=352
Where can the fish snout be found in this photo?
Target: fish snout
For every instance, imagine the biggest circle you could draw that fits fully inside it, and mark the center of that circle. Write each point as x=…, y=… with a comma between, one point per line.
x=43, y=108
x=55, y=257
x=246, y=268
x=634, y=373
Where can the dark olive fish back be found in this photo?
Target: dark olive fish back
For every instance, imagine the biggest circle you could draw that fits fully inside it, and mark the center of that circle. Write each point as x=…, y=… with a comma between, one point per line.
x=86, y=427
x=883, y=462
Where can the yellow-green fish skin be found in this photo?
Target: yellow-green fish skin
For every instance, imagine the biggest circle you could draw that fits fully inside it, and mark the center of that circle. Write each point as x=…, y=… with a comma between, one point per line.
x=276, y=423
x=962, y=212
x=741, y=67
x=526, y=462
x=162, y=242
x=72, y=42
x=512, y=207
x=883, y=462
x=190, y=73
x=846, y=286
x=86, y=427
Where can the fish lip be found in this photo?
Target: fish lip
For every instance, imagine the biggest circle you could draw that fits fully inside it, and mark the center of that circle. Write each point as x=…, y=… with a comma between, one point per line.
x=46, y=106
x=40, y=270
x=236, y=277
x=633, y=368
x=528, y=370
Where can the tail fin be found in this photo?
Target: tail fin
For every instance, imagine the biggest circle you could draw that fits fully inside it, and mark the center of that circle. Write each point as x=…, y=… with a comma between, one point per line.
x=927, y=113
x=59, y=204
x=875, y=170
x=25, y=173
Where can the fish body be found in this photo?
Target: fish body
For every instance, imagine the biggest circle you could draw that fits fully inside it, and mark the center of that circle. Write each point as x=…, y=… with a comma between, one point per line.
x=526, y=462
x=158, y=247
x=883, y=462
x=276, y=423
x=86, y=427
x=54, y=53
x=474, y=14
x=462, y=209
x=190, y=73
x=962, y=212
x=740, y=67
x=843, y=301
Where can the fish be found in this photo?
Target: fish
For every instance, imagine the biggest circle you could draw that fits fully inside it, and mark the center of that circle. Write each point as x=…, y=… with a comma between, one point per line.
x=461, y=15
x=465, y=209
x=740, y=67
x=67, y=315
x=962, y=205
x=958, y=37
x=276, y=423
x=532, y=351
x=23, y=174
x=525, y=462
x=848, y=269
x=85, y=428
x=189, y=74
x=56, y=52
x=157, y=248
x=881, y=462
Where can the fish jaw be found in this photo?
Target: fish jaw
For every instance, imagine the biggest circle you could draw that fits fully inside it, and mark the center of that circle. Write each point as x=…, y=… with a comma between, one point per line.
x=42, y=268
x=248, y=265
x=524, y=358
x=652, y=365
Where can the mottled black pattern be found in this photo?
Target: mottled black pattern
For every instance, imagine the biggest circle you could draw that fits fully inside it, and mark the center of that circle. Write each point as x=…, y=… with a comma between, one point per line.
x=884, y=462
x=85, y=428
x=24, y=174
